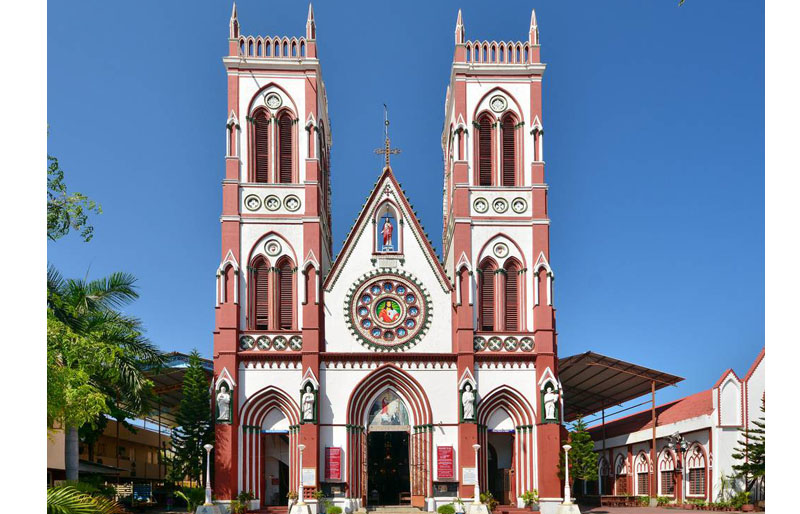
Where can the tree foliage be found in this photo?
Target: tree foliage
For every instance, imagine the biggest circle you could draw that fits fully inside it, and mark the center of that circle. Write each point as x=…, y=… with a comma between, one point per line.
x=70, y=500
x=582, y=457
x=750, y=451
x=195, y=423
x=66, y=211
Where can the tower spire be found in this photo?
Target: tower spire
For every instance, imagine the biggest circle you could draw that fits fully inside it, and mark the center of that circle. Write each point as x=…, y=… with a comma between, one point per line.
x=311, y=25
x=234, y=23
x=533, y=36
x=459, y=29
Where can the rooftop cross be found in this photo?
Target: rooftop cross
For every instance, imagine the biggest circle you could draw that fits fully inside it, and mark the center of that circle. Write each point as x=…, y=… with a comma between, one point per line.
x=387, y=150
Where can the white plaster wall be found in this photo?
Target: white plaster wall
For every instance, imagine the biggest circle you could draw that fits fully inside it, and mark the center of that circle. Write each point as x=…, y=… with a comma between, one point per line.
x=755, y=391
x=686, y=426
x=445, y=436
x=338, y=338
x=523, y=379
x=730, y=402
x=252, y=380
x=332, y=437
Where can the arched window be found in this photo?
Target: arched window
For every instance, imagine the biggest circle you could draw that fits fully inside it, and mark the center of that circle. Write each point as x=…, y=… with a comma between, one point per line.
x=642, y=475
x=285, y=295
x=509, y=172
x=260, y=295
x=621, y=476
x=261, y=147
x=512, y=295
x=485, y=150
x=285, y=149
x=486, y=292
x=696, y=470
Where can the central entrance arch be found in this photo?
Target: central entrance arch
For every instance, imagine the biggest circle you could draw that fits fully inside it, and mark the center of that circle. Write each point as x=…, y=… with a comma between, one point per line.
x=389, y=415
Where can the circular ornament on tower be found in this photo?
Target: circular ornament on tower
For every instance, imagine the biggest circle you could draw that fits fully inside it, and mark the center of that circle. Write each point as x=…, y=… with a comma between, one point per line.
x=272, y=203
x=291, y=202
x=519, y=205
x=500, y=205
x=388, y=311
x=272, y=247
x=500, y=250
x=498, y=103
x=252, y=203
x=480, y=205
x=273, y=101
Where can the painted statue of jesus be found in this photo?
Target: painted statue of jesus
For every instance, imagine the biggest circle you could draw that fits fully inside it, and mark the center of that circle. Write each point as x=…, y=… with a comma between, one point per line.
x=387, y=232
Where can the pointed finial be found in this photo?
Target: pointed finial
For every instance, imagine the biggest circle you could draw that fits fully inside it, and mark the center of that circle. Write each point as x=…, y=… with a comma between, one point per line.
x=234, y=23
x=459, y=29
x=311, y=25
x=387, y=150
x=533, y=36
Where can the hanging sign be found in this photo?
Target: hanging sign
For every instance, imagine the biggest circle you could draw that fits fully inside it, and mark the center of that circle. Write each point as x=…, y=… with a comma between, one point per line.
x=333, y=463
x=444, y=462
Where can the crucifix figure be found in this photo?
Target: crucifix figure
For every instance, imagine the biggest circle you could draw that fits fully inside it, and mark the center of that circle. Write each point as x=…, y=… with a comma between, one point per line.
x=387, y=150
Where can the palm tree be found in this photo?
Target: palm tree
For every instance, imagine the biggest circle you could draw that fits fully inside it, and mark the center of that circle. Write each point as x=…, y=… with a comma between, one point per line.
x=118, y=350
x=69, y=500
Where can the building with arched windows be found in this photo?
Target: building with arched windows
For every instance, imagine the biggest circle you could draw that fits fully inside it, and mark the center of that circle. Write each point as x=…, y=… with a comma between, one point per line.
x=370, y=377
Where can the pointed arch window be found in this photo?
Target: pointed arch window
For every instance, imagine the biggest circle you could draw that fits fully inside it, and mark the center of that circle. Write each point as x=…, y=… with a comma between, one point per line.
x=285, y=295
x=261, y=147
x=486, y=292
x=509, y=158
x=285, y=148
x=260, y=295
x=512, y=299
x=485, y=150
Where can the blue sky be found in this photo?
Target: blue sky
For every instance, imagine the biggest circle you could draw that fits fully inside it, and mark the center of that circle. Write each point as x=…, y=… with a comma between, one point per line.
x=655, y=154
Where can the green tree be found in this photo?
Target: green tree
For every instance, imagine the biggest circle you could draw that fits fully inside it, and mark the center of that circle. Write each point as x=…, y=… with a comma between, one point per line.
x=96, y=356
x=66, y=211
x=750, y=451
x=194, y=423
x=582, y=457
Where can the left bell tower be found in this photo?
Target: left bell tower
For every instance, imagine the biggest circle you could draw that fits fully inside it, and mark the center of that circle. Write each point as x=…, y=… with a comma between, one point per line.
x=276, y=232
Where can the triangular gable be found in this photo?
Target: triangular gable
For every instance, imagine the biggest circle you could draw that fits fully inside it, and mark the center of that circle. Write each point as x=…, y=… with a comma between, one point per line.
x=724, y=376
x=541, y=262
x=224, y=376
x=229, y=258
x=362, y=222
x=467, y=377
x=309, y=377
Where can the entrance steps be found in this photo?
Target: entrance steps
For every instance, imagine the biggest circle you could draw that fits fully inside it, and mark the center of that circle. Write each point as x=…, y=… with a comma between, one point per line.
x=277, y=509
x=510, y=509
x=389, y=509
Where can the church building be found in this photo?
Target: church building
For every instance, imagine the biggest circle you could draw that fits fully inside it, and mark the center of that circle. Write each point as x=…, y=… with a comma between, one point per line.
x=388, y=375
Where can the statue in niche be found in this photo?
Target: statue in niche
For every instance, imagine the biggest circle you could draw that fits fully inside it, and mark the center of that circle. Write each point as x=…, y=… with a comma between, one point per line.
x=307, y=402
x=468, y=402
x=386, y=232
x=223, y=404
x=550, y=400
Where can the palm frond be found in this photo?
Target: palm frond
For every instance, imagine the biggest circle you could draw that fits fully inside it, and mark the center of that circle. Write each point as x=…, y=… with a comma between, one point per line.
x=68, y=500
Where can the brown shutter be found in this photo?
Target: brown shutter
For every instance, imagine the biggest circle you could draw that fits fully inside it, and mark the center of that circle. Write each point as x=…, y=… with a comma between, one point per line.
x=285, y=155
x=509, y=151
x=286, y=297
x=487, y=298
x=512, y=299
x=485, y=151
x=261, y=294
x=262, y=148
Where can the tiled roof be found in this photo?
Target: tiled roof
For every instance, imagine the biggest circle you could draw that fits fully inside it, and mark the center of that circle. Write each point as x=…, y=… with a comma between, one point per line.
x=689, y=407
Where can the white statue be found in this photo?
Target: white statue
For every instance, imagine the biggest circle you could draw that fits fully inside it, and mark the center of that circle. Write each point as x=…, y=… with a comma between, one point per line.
x=468, y=402
x=223, y=404
x=308, y=404
x=550, y=402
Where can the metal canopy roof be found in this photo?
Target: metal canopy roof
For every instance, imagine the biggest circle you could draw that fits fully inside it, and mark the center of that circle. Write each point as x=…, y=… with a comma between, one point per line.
x=168, y=386
x=592, y=382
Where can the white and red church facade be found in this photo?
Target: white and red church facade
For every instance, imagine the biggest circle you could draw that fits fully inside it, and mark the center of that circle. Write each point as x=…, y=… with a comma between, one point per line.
x=370, y=377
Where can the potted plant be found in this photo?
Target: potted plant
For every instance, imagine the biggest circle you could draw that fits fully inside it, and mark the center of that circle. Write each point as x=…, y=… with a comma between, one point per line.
x=446, y=509
x=334, y=509
x=321, y=503
x=531, y=499
x=292, y=496
x=488, y=500
x=458, y=503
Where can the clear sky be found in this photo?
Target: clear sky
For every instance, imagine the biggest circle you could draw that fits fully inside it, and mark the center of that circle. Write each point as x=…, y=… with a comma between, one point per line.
x=654, y=116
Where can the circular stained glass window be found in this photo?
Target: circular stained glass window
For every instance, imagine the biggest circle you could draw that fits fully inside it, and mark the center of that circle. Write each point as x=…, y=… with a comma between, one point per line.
x=388, y=311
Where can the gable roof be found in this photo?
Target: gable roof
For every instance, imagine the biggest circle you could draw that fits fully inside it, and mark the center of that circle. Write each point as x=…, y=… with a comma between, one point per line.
x=688, y=407
x=363, y=219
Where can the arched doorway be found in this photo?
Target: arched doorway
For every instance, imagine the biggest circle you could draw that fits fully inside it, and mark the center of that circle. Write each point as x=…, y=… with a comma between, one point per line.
x=500, y=464
x=388, y=472
x=275, y=458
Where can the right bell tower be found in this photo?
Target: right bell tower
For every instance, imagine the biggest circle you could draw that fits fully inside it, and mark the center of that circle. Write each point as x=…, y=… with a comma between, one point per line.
x=496, y=230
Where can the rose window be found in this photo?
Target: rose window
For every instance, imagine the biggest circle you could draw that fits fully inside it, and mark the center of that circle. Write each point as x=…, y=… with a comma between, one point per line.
x=388, y=312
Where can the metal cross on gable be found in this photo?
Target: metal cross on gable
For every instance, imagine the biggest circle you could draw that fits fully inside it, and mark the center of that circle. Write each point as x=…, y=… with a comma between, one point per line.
x=387, y=150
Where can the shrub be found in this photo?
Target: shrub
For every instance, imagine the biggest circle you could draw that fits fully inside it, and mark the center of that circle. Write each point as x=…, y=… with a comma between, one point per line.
x=643, y=501
x=193, y=496
x=446, y=509
x=530, y=497
x=335, y=510
x=740, y=499
x=663, y=500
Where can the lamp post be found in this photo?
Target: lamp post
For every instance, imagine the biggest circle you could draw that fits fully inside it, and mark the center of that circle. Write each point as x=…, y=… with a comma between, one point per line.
x=679, y=445
x=300, y=501
x=477, y=499
x=567, y=492
x=208, y=448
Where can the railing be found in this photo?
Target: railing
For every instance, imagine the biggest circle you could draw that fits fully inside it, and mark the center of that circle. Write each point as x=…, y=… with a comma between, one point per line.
x=512, y=52
x=272, y=47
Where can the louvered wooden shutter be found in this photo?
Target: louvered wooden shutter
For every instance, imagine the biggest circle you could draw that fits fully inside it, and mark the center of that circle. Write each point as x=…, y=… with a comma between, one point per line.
x=485, y=151
x=285, y=127
x=261, y=294
x=509, y=151
x=262, y=148
x=286, y=297
x=487, y=298
x=512, y=299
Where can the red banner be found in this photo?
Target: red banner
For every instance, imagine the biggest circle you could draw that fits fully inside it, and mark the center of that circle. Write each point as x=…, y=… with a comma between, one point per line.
x=333, y=463
x=444, y=462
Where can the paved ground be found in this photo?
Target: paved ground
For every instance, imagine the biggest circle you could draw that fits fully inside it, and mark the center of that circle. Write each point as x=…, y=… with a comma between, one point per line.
x=633, y=510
